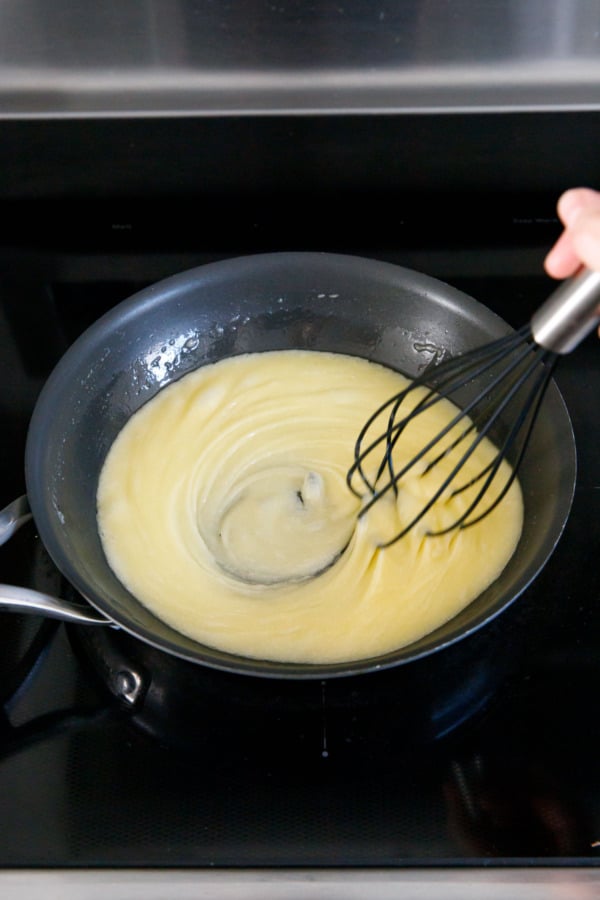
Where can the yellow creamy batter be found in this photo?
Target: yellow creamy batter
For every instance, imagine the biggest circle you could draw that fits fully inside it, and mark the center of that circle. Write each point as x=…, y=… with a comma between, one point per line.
x=223, y=494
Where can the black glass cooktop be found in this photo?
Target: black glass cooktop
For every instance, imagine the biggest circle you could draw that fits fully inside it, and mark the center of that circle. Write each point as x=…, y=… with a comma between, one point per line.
x=113, y=754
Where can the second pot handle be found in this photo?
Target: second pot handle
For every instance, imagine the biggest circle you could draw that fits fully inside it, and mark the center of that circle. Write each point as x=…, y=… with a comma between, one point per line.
x=13, y=516
x=27, y=600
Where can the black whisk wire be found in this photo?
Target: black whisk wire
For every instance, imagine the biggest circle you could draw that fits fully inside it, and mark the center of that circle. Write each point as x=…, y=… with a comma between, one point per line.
x=529, y=410
x=440, y=383
x=520, y=359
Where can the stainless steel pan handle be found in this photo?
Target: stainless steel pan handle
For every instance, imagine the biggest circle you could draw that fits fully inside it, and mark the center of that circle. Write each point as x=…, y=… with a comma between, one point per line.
x=27, y=600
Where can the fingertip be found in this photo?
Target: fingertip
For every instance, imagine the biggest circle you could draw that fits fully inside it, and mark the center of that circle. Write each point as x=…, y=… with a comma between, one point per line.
x=574, y=200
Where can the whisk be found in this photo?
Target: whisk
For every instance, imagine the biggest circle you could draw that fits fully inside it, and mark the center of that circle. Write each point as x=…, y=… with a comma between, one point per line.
x=509, y=376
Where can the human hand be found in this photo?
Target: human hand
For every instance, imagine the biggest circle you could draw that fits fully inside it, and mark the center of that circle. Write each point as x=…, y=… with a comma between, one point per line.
x=579, y=243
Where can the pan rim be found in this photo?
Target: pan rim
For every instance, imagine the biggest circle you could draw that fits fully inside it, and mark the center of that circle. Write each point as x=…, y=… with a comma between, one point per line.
x=167, y=290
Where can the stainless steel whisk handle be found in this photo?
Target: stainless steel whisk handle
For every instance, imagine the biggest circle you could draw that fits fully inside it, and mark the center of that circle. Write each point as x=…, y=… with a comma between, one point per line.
x=569, y=313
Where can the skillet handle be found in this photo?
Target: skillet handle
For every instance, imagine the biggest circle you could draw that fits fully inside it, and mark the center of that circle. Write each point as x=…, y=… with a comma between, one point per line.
x=26, y=600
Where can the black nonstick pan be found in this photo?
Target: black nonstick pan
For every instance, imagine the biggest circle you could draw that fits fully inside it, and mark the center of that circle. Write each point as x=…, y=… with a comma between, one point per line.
x=316, y=301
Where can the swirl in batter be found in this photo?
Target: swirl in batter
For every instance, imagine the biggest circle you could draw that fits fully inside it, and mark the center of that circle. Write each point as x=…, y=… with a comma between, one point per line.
x=224, y=494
